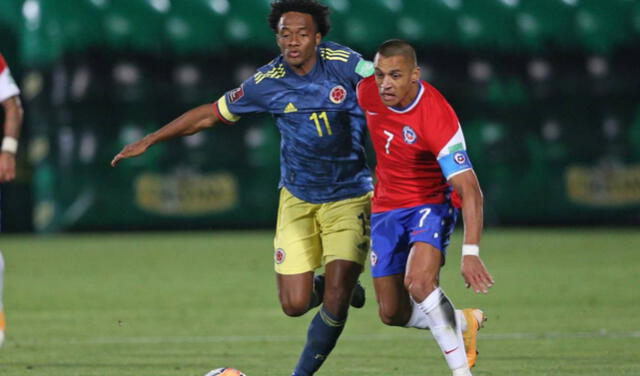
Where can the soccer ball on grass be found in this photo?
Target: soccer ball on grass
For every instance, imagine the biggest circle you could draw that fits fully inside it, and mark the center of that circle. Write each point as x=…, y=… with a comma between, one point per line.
x=225, y=371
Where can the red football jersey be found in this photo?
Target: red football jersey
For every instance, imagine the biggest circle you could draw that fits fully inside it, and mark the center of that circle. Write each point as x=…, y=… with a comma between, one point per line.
x=417, y=148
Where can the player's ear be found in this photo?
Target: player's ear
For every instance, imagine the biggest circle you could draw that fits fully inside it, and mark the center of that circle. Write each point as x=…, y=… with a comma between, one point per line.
x=415, y=75
x=318, y=38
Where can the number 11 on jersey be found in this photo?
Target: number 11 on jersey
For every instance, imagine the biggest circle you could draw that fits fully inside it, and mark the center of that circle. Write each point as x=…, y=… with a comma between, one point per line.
x=316, y=119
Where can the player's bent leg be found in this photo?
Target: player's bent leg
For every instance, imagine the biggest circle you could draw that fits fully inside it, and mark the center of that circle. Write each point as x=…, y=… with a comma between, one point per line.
x=294, y=292
x=394, y=304
x=421, y=280
x=358, y=297
x=327, y=325
x=318, y=291
x=341, y=278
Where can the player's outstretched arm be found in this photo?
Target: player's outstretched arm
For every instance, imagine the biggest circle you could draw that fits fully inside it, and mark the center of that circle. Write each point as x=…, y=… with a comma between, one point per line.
x=192, y=121
x=13, y=114
x=473, y=270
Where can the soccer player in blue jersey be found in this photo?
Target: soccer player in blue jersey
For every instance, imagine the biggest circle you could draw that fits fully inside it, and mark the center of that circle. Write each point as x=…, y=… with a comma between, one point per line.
x=325, y=185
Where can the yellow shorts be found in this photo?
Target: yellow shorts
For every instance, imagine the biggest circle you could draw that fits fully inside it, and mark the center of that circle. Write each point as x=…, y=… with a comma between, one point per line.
x=311, y=235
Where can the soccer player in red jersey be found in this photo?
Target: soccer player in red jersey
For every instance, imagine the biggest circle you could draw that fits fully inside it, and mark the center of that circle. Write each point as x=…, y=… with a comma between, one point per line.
x=10, y=100
x=424, y=177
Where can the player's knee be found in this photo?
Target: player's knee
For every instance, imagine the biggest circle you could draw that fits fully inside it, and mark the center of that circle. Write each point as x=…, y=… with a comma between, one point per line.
x=420, y=286
x=294, y=304
x=294, y=308
x=392, y=317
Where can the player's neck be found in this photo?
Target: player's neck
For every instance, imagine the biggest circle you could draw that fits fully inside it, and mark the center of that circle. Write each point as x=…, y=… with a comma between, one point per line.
x=304, y=68
x=410, y=97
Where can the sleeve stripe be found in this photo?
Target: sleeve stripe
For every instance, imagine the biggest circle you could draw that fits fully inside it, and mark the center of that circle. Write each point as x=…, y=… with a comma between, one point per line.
x=222, y=111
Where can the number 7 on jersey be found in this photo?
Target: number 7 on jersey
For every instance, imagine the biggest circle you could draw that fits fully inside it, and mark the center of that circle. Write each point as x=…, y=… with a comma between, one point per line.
x=389, y=138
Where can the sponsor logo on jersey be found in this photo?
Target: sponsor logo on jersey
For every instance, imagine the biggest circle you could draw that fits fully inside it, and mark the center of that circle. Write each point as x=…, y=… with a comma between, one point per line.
x=338, y=94
x=279, y=256
x=459, y=158
x=374, y=258
x=236, y=94
x=290, y=108
x=409, y=135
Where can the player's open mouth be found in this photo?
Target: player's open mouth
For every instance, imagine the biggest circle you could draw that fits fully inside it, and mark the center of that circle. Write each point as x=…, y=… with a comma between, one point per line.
x=387, y=96
x=294, y=54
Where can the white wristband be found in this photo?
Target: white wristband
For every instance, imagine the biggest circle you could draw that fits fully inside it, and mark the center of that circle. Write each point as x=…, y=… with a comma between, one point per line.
x=9, y=145
x=470, y=250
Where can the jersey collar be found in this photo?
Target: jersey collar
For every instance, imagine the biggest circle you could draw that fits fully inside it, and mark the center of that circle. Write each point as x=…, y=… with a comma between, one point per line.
x=411, y=105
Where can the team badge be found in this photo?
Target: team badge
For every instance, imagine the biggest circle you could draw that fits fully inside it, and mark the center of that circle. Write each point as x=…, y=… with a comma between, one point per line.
x=409, y=135
x=459, y=158
x=236, y=94
x=338, y=94
x=374, y=258
x=279, y=256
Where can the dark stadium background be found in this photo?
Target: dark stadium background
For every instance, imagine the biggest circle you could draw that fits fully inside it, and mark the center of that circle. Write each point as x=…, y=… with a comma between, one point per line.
x=546, y=90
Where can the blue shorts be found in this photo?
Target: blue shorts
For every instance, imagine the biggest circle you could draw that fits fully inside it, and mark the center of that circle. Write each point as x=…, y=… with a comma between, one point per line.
x=393, y=232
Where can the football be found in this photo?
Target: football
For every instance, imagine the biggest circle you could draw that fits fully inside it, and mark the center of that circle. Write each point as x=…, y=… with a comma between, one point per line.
x=226, y=371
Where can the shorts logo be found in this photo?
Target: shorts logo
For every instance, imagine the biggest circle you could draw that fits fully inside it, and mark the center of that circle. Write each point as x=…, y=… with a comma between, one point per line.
x=338, y=94
x=279, y=256
x=459, y=158
x=409, y=135
x=236, y=94
x=374, y=258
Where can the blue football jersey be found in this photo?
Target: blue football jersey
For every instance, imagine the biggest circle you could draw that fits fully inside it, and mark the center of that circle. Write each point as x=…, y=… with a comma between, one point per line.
x=322, y=128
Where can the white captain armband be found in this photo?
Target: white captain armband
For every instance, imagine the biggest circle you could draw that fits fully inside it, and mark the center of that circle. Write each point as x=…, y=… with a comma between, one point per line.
x=9, y=145
x=470, y=250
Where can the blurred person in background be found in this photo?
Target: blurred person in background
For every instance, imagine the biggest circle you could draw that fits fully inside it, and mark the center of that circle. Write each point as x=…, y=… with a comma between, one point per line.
x=9, y=97
x=421, y=154
x=325, y=184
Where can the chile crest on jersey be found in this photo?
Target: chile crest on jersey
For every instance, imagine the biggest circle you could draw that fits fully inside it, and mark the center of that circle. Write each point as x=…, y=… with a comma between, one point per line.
x=409, y=135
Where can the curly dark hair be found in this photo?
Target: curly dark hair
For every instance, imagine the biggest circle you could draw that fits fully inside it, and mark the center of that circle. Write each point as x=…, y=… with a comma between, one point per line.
x=319, y=12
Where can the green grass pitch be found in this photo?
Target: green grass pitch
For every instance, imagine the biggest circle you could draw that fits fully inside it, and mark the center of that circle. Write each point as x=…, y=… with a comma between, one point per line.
x=566, y=302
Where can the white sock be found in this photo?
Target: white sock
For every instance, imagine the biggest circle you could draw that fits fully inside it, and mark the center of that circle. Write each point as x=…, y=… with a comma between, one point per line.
x=445, y=328
x=462, y=320
x=462, y=372
x=1, y=278
x=418, y=319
